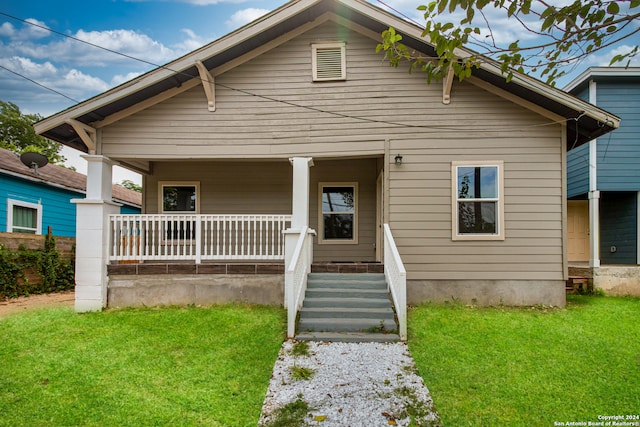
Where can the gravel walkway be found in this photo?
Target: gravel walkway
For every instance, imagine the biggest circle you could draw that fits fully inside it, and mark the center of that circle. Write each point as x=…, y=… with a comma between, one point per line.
x=353, y=384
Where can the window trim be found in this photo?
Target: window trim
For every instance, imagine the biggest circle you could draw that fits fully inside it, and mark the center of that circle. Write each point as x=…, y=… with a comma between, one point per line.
x=36, y=206
x=455, y=234
x=343, y=60
x=321, y=239
x=162, y=184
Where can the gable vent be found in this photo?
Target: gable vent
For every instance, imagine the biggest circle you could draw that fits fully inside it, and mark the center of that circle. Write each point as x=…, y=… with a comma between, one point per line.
x=329, y=61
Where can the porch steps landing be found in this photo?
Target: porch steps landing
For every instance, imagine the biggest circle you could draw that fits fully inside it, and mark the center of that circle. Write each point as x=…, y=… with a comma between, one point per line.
x=351, y=307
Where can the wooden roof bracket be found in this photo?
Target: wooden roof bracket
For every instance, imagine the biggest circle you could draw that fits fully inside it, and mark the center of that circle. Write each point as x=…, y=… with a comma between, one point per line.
x=209, y=85
x=86, y=133
x=447, y=82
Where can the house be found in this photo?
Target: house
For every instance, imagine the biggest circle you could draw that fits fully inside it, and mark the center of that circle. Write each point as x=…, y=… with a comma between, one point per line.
x=603, y=185
x=291, y=139
x=31, y=201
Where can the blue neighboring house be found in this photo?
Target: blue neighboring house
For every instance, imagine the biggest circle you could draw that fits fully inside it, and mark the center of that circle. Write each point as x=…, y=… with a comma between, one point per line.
x=603, y=176
x=30, y=202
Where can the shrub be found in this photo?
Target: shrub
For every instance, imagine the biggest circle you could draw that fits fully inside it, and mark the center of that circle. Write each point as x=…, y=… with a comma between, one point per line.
x=55, y=273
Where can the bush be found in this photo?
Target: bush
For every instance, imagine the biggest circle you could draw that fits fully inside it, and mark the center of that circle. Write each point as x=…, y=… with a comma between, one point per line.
x=55, y=273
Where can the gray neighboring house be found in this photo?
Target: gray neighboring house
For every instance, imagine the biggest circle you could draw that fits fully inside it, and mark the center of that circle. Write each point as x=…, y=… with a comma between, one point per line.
x=290, y=145
x=603, y=185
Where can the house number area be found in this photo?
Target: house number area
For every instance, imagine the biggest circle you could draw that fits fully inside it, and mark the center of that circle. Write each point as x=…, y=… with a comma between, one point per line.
x=632, y=420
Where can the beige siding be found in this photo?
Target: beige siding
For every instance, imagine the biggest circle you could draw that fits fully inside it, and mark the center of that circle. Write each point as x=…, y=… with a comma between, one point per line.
x=378, y=110
x=228, y=187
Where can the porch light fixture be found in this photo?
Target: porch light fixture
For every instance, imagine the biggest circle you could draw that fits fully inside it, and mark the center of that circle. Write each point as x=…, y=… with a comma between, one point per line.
x=398, y=159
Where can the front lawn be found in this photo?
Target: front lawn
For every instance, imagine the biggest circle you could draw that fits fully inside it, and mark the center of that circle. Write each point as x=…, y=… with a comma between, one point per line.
x=530, y=366
x=138, y=367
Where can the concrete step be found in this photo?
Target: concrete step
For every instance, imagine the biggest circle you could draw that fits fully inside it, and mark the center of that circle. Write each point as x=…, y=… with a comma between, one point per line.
x=347, y=302
x=384, y=313
x=346, y=293
x=346, y=281
x=347, y=337
x=347, y=325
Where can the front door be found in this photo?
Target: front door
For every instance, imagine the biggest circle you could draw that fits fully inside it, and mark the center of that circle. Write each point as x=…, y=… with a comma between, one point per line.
x=578, y=230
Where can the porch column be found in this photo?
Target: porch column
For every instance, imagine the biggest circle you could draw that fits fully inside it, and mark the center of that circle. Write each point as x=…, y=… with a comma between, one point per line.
x=594, y=194
x=299, y=211
x=300, y=200
x=92, y=235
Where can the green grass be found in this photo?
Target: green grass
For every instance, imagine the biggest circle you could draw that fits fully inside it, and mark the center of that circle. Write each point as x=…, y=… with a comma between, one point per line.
x=138, y=367
x=531, y=366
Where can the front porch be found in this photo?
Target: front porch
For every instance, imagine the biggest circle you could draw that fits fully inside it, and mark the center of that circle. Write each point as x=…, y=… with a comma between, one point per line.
x=181, y=252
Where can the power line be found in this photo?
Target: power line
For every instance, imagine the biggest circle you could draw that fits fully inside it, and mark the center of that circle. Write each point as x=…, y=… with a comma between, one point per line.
x=401, y=14
x=77, y=39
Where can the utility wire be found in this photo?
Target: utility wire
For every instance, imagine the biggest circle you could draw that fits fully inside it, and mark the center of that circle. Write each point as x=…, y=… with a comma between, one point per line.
x=401, y=14
x=39, y=84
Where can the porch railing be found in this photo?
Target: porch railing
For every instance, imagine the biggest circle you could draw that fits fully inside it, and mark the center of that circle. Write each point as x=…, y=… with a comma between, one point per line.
x=396, y=277
x=197, y=237
x=295, y=276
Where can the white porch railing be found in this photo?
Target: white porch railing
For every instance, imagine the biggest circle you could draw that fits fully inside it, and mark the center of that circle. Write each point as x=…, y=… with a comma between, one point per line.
x=197, y=237
x=396, y=277
x=295, y=276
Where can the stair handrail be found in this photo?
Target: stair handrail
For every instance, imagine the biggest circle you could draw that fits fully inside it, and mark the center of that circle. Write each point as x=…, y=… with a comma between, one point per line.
x=295, y=280
x=396, y=277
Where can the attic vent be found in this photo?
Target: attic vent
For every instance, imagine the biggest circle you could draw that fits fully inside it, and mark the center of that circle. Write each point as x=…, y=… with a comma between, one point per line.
x=329, y=61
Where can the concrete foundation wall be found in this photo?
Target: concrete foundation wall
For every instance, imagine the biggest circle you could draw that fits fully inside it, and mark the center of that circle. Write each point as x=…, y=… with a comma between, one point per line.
x=618, y=281
x=198, y=289
x=488, y=292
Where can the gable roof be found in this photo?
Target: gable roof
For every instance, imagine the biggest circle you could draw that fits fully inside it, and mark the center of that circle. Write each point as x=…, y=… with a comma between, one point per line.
x=60, y=177
x=219, y=56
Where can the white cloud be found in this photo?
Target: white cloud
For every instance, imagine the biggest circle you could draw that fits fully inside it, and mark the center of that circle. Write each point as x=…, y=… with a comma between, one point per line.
x=126, y=42
x=192, y=42
x=245, y=16
x=603, y=59
x=75, y=81
x=7, y=30
x=70, y=82
x=121, y=78
x=29, y=68
x=37, y=30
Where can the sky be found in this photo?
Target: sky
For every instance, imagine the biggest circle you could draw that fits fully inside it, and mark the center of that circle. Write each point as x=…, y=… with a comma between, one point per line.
x=156, y=31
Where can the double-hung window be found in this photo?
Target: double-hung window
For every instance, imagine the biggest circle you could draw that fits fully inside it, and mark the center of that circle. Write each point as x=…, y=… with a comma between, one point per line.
x=24, y=217
x=338, y=212
x=179, y=198
x=478, y=205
